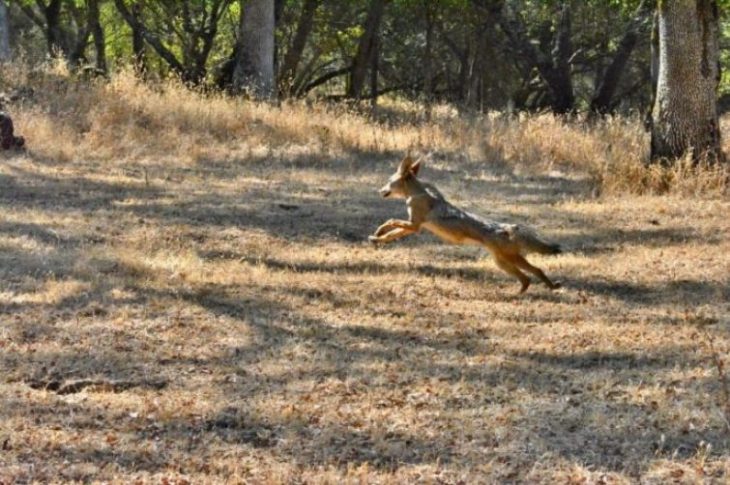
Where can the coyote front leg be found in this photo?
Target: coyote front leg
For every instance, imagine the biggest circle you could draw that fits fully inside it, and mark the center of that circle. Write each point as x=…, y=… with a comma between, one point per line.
x=391, y=224
x=384, y=227
x=392, y=230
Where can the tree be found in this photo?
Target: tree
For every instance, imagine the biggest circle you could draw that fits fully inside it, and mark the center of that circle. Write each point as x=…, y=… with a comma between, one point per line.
x=555, y=68
x=65, y=26
x=684, y=117
x=366, y=49
x=97, y=31
x=296, y=49
x=138, y=50
x=4, y=33
x=254, y=69
x=194, y=24
x=562, y=55
x=430, y=12
x=602, y=101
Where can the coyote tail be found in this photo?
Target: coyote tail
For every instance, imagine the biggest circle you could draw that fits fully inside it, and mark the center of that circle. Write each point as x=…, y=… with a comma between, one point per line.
x=531, y=243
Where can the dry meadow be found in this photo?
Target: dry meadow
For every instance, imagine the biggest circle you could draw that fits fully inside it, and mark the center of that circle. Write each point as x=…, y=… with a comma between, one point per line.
x=187, y=295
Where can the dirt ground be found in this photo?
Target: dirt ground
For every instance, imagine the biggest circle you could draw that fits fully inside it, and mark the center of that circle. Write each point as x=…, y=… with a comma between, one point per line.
x=221, y=317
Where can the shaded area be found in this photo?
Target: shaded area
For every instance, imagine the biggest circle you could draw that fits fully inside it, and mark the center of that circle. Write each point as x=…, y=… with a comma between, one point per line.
x=348, y=213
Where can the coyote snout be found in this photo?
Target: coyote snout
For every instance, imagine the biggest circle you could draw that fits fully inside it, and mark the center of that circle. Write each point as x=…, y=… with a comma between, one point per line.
x=394, y=188
x=428, y=209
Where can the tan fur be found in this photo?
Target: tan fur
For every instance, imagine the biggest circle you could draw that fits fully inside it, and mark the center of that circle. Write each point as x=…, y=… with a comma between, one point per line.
x=428, y=209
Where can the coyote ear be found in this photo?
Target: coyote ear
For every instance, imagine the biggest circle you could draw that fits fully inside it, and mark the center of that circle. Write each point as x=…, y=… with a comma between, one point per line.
x=405, y=164
x=416, y=166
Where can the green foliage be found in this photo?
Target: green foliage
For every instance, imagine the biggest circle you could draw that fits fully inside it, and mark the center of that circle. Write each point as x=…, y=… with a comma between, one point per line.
x=473, y=62
x=724, y=87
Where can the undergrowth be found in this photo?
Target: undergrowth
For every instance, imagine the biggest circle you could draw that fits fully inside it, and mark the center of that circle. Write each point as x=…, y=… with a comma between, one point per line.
x=65, y=117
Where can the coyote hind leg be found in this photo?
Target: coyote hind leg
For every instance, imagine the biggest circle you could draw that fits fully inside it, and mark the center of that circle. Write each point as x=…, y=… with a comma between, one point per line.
x=522, y=263
x=510, y=268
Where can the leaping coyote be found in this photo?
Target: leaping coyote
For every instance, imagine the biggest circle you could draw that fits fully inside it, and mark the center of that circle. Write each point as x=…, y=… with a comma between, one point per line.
x=428, y=209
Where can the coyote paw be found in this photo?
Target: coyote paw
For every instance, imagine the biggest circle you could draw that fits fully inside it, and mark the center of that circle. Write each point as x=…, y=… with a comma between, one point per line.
x=374, y=240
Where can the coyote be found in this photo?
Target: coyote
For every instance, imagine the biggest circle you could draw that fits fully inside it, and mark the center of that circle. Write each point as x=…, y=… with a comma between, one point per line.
x=428, y=209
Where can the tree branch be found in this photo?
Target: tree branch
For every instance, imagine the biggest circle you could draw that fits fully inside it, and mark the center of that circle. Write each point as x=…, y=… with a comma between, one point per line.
x=324, y=78
x=150, y=38
x=32, y=15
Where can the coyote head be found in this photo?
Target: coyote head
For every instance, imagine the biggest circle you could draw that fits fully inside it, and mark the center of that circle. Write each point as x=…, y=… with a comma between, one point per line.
x=396, y=186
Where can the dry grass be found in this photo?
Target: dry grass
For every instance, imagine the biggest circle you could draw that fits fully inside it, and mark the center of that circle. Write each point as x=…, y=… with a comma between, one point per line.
x=152, y=237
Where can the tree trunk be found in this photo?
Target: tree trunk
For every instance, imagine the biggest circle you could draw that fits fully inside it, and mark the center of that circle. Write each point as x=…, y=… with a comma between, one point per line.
x=685, y=107
x=374, y=67
x=67, y=38
x=254, y=71
x=477, y=66
x=294, y=53
x=204, y=39
x=428, y=62
x=76, y=40
x=561, y=85
x=554, y=69
x=138, y=53
x=5, y=52
x=463, y=56
x=54, y=35
x=98, y=32
x=464, y=69
x=364, y=48
x=653, y=68
x=602, y=100
x=135, y=23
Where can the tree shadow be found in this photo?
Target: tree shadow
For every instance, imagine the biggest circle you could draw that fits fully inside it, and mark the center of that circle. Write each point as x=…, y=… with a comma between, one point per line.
x=612, y=429
x=346, y=213
x=344, y=352
x=26, y=189
x=344, y=349
x=360, y=267
x=685, y=356
x=39, y=233
x=690, y=292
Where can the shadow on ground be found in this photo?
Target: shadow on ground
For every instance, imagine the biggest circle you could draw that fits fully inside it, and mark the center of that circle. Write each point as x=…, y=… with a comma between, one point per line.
x=622, y=430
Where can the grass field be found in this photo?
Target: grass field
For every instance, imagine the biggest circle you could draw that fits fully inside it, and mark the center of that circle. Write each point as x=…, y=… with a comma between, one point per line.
x=187, y=296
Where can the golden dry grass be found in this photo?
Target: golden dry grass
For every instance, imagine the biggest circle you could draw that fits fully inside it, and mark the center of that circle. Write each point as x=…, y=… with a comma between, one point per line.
x=187, y=295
